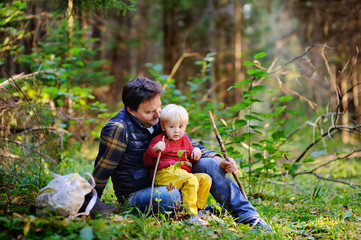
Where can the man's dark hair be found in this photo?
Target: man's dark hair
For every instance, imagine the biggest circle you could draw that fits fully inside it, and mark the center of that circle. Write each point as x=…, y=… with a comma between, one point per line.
x=139, y=90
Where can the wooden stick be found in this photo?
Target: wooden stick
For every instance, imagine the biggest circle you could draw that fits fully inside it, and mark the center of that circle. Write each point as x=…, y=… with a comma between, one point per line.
x=224, y=152
x=150, y=206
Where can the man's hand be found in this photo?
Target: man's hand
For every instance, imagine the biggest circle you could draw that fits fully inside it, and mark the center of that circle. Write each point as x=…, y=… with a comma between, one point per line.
x=159, y=146
x=229, y=167
x=196, y=154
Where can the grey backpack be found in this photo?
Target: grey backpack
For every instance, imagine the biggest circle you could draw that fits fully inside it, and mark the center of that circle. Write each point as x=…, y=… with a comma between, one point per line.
x=64, y=196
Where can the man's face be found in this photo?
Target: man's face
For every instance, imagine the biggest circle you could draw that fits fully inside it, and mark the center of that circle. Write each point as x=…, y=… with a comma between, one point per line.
x=148, y=112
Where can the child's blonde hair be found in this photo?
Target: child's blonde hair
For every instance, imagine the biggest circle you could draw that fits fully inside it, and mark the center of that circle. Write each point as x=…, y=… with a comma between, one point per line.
x=173, y=113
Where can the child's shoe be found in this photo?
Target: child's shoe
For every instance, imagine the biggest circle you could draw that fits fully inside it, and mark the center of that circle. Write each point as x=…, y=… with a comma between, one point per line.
x=197, y=220
x=205, y=215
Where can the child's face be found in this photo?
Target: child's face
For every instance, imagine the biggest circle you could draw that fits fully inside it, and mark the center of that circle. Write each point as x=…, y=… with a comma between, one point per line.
x=174, y=130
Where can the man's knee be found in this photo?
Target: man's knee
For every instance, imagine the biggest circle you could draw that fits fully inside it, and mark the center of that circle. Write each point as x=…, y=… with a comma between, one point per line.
x=164, y=199
x=167, y=199
x=204, y=164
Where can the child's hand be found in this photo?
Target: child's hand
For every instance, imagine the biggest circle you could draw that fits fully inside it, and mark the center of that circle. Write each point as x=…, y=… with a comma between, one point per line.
x=159, y=146
x=196, y=154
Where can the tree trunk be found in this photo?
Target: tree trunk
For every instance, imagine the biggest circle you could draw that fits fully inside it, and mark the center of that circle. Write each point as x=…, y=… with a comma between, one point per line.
x=171, y=35
x=142, y=26
x=70, y=16
x=238, y=48
x=210, y=44
x=120, y=57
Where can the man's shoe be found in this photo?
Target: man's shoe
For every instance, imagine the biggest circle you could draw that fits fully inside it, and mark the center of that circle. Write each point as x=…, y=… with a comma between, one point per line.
x=257, y=223
x=215, y=209
x=102, y=208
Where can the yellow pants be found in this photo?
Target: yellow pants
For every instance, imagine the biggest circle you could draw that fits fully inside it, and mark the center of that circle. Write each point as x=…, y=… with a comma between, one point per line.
x=194, y=187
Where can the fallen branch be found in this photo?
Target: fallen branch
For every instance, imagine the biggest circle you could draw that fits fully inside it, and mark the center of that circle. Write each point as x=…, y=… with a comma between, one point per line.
x=280, y=183
x=295, y=131
x=17, y=130
x=346, y=157
x=21, y=75
x=355, y=186
x=328, y=133
x=47, y=158
x=313, y=124
x=9, y=155
x=21, y=91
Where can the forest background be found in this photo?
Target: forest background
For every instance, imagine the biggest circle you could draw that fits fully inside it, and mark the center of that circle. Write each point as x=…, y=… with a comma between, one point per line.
x=282, y=79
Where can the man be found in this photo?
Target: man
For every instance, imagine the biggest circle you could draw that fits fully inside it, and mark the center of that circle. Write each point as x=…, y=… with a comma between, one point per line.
x=125, y=138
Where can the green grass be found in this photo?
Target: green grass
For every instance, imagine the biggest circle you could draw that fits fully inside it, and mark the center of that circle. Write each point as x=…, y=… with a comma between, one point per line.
x=313, y=210
x=310, y=209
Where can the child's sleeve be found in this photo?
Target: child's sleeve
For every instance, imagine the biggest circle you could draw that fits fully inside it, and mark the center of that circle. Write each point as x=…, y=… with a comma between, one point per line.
x=150, y=157
x=205, y=151
x=189, y=149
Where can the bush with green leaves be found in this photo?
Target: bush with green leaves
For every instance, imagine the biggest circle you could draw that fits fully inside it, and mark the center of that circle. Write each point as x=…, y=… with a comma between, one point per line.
x=256, y=148
x=261, y=140
x=12, y=21
x=48, y=112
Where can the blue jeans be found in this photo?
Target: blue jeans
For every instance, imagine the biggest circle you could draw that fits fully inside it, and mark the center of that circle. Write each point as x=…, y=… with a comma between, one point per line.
x=163, y=200
x=224, y=189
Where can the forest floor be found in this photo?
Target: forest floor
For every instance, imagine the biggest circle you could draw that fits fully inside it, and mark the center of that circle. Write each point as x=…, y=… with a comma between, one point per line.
x=313, y=210
x=309, y=209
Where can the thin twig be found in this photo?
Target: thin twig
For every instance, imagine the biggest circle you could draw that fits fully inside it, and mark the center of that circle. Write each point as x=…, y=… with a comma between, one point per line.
x=20, y=90
x=333, y=78
x=212, y=89
x=355, y=186
x=280, y=183
x=297, y=57
x=332, y=129
x=21, y=75
x=177, y=64
x=32, y=129
x=295, y=131
x=29, y=149
x=346, y=157
x=301, y=97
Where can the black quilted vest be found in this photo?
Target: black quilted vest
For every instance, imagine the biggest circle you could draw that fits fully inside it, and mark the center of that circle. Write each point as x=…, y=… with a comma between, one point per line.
x=131, y=175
